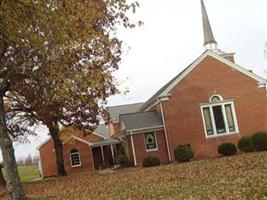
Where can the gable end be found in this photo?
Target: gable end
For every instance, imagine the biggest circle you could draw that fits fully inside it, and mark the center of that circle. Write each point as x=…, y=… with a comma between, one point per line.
x=164, y=91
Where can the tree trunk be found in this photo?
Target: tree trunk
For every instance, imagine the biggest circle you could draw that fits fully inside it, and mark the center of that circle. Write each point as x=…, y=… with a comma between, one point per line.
x=14, y=185
x=2, y=180
x=54, y=132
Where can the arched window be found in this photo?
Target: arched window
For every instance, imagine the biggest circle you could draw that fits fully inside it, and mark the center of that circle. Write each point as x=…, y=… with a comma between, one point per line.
x=219, y=116
x=75, y=158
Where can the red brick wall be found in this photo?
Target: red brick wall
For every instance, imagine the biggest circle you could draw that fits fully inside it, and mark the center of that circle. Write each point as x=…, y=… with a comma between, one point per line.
x=48, y=158
x=140, y=149
x=85, y=156
x=183, y=115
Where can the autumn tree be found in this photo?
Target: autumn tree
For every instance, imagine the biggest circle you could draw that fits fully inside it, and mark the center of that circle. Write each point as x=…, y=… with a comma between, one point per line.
x=21, y=47
x=56, y=62
x=75, y=85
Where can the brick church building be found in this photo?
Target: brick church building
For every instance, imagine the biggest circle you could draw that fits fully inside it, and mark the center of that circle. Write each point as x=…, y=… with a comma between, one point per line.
x=212, y=101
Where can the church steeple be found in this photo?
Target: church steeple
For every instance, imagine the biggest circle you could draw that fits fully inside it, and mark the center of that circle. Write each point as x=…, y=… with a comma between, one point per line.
x=209, y=41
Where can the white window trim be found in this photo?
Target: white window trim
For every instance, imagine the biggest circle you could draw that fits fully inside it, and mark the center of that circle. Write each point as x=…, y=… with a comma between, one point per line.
x=216, y=95
x=155, y=136
x=221, y=103
x=79, y=159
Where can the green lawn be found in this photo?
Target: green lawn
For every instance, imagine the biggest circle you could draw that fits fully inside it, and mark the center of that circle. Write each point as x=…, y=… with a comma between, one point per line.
x=29, y=173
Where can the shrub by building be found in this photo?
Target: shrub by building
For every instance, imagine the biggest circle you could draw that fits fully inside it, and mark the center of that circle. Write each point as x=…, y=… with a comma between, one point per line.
x=245, y=144
x=259, y=140
x=151, y=161
x=183, y=153
x=122, y=160
x=227, y=149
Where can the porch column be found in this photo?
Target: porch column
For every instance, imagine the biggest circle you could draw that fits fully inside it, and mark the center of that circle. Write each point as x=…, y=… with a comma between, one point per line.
x=112, y=153
x=102, y=152
x=92, y=155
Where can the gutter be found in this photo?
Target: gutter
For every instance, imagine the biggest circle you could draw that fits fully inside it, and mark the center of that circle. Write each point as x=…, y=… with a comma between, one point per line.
x=144, y=129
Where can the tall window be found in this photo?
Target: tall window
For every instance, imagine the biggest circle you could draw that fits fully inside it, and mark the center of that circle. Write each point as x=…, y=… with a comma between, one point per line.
x=219, y=117
x=150, y=141
x=75, y=158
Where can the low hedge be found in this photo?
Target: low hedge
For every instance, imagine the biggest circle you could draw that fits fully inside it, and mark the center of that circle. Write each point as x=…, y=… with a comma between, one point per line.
x=227, y=149
x=183, y=153
x=151, y=161
x=259, y=140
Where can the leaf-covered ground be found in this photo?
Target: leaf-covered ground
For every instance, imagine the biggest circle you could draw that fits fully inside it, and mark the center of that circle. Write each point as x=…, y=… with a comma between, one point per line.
x=238, y=177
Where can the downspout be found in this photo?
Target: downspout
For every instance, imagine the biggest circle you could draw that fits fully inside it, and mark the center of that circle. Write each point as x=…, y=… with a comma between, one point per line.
x=133, y=149
x=166, y=133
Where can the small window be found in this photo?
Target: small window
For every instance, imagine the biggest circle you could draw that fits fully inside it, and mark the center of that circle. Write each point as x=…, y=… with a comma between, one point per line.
x=150, y=141
x=75, y=158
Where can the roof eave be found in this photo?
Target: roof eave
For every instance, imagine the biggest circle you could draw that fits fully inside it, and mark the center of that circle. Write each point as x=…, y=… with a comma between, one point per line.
x=128, y=131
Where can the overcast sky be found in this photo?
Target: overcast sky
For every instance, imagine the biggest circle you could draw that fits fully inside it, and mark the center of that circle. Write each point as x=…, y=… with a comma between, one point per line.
x=172, y=37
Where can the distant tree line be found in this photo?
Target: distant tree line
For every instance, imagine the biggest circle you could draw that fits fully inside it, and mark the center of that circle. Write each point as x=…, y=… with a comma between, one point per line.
x=29, y=160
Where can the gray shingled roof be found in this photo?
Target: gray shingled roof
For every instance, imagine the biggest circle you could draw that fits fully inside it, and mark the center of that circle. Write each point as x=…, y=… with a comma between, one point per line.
x=141, y=120
x=102, y=130
x=116, y=111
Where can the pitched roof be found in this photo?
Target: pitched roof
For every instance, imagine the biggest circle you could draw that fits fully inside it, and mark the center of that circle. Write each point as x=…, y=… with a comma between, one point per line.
x=102, y=130
x=69, y=132
x=116, y=111
x=173, y=82
x=141, y=120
